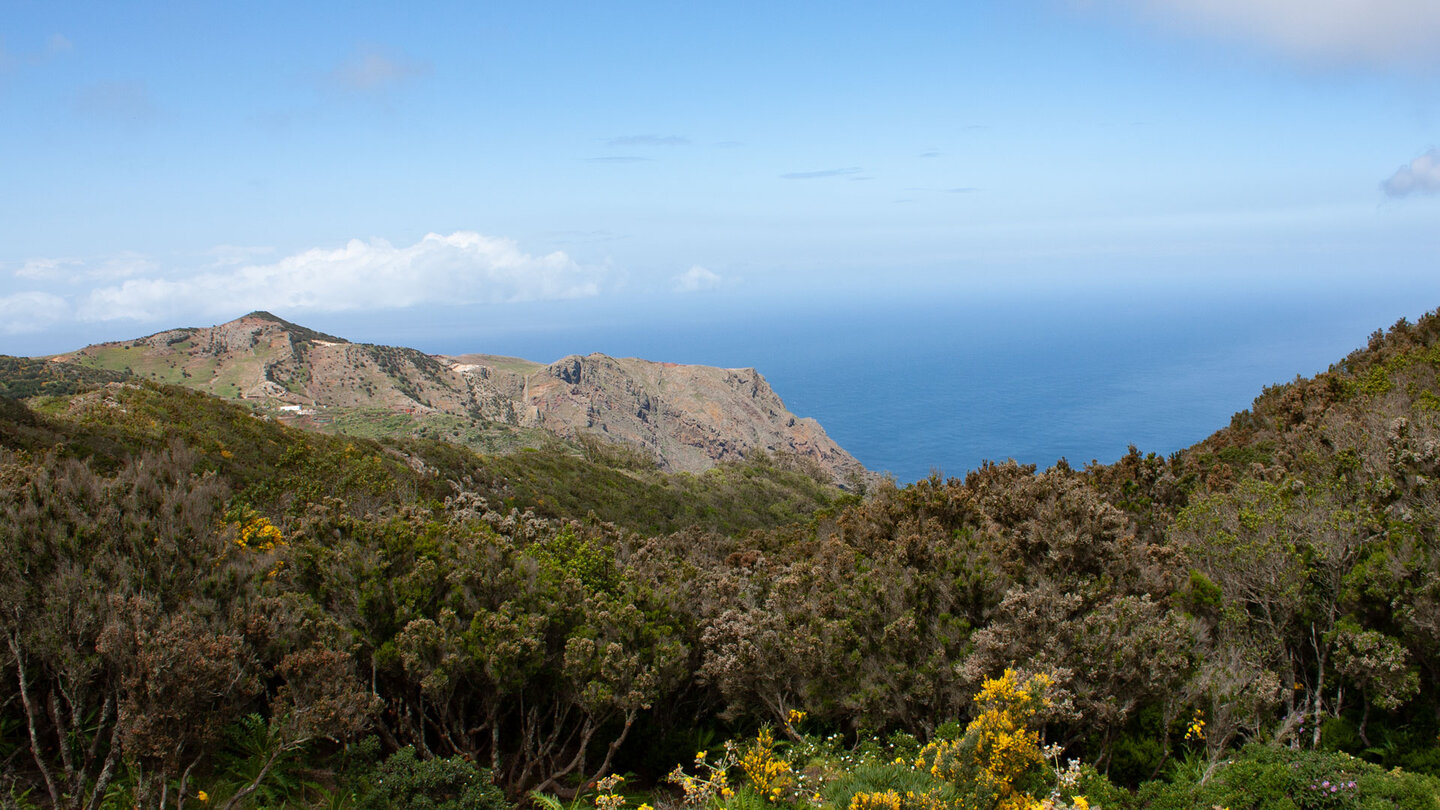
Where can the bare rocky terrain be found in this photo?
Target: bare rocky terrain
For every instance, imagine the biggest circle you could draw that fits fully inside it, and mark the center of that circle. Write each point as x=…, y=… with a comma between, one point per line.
x=689, y=418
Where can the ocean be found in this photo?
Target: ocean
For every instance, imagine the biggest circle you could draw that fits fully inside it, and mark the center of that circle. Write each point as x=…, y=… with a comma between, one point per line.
x=919, y=385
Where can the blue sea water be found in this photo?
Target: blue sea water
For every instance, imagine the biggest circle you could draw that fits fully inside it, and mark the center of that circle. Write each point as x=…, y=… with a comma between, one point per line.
x=916, y=385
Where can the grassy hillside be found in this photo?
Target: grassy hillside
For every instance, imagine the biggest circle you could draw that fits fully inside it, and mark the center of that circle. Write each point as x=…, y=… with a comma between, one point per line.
x=283, y=469
x=486, y=438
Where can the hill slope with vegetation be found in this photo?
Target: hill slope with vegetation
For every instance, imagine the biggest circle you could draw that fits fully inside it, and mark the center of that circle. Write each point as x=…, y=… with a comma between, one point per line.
x=684, y=418
x=202, y=601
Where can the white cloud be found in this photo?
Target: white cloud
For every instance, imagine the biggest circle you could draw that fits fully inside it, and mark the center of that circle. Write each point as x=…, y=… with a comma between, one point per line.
x=1381, y=32
x=231, y=255
x=463, y=267
x=1419, y=176
x=31, y=312
x=47, y=269
x=74, y=271
x=696, y=279
x=125, y=265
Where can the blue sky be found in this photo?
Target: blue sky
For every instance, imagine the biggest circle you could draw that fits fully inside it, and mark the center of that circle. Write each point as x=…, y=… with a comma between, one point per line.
x=166, y=164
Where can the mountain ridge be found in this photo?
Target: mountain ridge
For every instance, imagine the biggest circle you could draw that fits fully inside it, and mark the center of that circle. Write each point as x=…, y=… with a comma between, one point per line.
x=687, y=417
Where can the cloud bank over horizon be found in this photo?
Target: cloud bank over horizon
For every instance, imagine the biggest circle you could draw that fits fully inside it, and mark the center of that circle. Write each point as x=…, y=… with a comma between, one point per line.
x=1375, y=32
x=463, y=267
x=31, y=312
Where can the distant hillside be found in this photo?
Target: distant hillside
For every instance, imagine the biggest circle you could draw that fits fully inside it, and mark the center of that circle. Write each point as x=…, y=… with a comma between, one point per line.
x=284, y=470
x=24, y=377
x=688, y=418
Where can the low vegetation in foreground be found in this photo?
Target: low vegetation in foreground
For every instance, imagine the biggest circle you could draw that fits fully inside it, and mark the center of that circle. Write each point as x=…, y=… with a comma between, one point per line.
x=202, y=608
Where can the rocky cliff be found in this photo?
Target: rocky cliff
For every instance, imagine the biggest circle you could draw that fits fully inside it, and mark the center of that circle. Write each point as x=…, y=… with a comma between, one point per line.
x=689, y=418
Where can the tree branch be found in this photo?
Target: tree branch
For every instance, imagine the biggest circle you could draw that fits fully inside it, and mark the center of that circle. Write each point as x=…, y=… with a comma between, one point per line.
x=30, y=722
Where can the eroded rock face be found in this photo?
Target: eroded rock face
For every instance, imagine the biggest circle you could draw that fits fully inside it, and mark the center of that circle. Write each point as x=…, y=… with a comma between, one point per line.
x=688, y=417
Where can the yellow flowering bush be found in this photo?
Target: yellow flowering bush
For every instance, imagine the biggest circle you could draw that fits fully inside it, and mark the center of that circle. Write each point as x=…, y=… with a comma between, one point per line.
x=710, y=784
x=255, y=532
x=943, y=760
x=887, y=800
x=1005, y=746
x=766, y=772
x=1196, y=729
x=998, y=747
x=983, y=769
x=791, y=718
x=930, y=800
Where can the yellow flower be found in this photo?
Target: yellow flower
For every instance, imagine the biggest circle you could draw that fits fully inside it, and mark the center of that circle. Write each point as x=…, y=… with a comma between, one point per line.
x=1080, y=803
x=203, y=796
x=1196, y=731
x=888, y=800
x=644, y=807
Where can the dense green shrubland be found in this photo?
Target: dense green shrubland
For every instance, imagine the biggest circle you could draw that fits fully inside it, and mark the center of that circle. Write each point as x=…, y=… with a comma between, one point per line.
x=198, y=600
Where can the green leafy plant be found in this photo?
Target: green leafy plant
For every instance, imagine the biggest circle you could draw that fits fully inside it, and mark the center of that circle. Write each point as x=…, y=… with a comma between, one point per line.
x=404, y=780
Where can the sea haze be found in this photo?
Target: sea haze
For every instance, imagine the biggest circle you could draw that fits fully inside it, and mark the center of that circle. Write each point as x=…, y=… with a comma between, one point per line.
x=912, y=387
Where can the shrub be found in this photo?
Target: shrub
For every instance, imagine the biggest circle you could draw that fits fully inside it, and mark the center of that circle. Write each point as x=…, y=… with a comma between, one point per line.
x=406, y=781
x=1273, y=778
x=877, y=779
